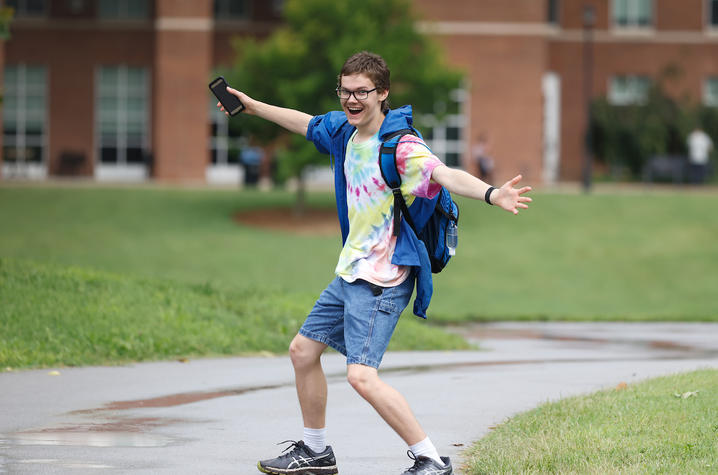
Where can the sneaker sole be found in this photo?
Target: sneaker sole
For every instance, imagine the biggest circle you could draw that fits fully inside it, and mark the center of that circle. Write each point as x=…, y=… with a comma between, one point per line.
x=299, y=471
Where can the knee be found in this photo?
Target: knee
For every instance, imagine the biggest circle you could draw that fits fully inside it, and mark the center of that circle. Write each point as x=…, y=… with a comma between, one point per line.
x=362, y=379
x=302, y=354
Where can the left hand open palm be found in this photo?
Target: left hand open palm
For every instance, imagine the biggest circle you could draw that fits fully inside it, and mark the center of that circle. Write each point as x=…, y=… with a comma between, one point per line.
x=510, y=198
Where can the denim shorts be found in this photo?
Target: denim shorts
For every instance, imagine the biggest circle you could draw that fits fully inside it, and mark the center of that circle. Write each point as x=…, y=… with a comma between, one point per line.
x=357, y=319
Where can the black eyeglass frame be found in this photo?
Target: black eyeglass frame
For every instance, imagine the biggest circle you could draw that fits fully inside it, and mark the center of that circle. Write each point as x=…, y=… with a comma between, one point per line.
x=350, y=93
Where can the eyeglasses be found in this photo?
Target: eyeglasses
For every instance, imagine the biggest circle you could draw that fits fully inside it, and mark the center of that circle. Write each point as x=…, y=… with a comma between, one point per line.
x=360, y=95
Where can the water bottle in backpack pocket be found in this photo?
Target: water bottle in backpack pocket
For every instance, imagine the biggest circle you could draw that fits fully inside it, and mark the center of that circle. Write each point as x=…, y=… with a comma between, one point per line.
x=440, y=234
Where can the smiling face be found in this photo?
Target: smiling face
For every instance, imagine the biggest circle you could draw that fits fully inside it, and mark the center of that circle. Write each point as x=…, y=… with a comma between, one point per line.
x=365, y=115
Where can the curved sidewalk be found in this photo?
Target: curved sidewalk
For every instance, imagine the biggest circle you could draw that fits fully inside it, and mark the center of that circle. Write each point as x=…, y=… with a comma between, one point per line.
x=219, y=416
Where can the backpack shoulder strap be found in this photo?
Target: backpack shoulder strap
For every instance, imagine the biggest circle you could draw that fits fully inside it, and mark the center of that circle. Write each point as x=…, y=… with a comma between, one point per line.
x=390, y=173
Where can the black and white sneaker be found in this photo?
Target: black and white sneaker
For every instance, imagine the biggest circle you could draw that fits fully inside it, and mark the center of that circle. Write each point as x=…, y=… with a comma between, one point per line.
x=301, y=460
x=427, y=466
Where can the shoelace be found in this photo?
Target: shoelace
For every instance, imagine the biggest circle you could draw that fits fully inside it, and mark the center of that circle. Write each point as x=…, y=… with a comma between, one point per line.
x=293, y=444
x=413, y=457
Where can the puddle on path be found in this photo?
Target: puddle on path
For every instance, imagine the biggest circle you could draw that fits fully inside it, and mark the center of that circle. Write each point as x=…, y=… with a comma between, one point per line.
x=113, y=432
x=109, y=427
x=57, y=463
x=179, y=399
x=480, y=332
x=91, y=439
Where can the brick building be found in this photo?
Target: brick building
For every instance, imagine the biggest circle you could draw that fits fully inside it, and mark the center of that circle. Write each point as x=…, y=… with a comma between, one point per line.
x=116, y=89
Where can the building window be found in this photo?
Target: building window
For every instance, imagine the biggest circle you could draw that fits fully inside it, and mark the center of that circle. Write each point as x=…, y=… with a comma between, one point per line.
x=625, y=90
x=124, y=9
x=712, y=13
x=28, y=8
x=122, y=115
x=226, y=145
x=24, y=111
x=552, y=12
x=445, y=136
x=710, y=91
x=231, y=9
x=225, y=142
x=633, y=13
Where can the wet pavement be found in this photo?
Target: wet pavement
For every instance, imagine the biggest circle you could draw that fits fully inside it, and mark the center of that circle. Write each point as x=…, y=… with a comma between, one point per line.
x=219, y=416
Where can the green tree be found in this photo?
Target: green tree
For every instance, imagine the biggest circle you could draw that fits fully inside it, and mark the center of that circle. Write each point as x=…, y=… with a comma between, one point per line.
x=297, y=67
x=629, y=135
x=6, y=16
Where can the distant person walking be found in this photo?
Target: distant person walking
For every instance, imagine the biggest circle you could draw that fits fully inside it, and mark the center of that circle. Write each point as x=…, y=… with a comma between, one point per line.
x=482, y=158
x=699, y=150
x=377, y=271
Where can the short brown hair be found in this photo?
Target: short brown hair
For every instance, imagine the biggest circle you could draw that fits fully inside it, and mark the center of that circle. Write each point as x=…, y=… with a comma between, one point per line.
x=373, y=66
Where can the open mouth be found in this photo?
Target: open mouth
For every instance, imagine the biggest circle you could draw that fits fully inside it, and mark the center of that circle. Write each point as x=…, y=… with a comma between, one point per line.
x=354, y=111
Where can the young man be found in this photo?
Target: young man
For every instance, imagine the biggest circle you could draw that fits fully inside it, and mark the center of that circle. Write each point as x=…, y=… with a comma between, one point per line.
x=356, y=314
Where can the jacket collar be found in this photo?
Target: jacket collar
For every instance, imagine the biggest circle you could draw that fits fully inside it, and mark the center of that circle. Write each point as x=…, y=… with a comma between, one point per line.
x=396, y=119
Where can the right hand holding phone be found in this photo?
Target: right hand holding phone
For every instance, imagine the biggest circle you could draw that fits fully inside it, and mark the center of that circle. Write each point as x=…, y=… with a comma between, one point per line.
x=246, y=100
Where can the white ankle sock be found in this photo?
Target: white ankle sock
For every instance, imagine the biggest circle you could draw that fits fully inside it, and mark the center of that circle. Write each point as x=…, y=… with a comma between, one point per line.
x=427, y=449
x=316, y=439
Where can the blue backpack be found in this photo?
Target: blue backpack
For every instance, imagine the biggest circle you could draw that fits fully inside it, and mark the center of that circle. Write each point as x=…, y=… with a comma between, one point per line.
x=433, y=232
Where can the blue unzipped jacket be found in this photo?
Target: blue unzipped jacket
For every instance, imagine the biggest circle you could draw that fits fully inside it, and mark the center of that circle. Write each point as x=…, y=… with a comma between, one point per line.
x=330, y=133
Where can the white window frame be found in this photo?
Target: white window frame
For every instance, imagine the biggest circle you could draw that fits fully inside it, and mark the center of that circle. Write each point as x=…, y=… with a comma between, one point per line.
x=121, y=170
x=551, y=92
x=441, y=145
x=19, y=168
x=223, y=172
x=710, y=91
x=634, y=92
x=633, y=15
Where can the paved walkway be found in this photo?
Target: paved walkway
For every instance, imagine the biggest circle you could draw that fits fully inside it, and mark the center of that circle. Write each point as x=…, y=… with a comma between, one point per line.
x=219, y=416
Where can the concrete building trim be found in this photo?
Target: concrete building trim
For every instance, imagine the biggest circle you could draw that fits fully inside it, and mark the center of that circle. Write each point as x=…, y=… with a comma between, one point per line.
x=183, y=24
x=642, y=36
x=613, y=35
x=70, y=24
x=485, y=28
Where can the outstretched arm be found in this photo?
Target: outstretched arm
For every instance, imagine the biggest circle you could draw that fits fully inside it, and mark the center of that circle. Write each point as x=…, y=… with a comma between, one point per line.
x=292, y=120
x=464, y=184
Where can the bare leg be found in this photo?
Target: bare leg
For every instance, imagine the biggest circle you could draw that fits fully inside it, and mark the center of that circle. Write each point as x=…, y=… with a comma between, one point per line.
x=310, y=380
x=387, y=401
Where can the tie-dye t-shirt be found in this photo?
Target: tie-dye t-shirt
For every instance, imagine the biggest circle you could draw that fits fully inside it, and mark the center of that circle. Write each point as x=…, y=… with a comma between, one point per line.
x=370, y=244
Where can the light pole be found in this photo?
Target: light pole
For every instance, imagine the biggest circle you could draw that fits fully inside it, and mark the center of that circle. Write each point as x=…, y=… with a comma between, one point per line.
x=589, y=21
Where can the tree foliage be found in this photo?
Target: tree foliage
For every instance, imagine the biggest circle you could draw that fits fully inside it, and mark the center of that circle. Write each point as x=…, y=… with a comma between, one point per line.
x=297, y=66
x=630, y=135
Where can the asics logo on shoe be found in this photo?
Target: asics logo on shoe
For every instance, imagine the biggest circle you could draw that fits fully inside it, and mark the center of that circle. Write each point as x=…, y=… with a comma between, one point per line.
x=304, y=462
x=442, y=471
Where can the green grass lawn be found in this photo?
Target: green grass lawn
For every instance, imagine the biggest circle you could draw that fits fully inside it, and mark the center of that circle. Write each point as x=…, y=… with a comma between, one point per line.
x=58, y=315
x=644, y=428
x=649, y=255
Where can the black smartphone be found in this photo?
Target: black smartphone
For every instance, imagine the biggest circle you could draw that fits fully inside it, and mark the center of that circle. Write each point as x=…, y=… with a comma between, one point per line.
x=230, y=102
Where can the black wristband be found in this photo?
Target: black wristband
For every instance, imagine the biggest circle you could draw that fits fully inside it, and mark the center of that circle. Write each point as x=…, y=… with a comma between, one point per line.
x=487, y=196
